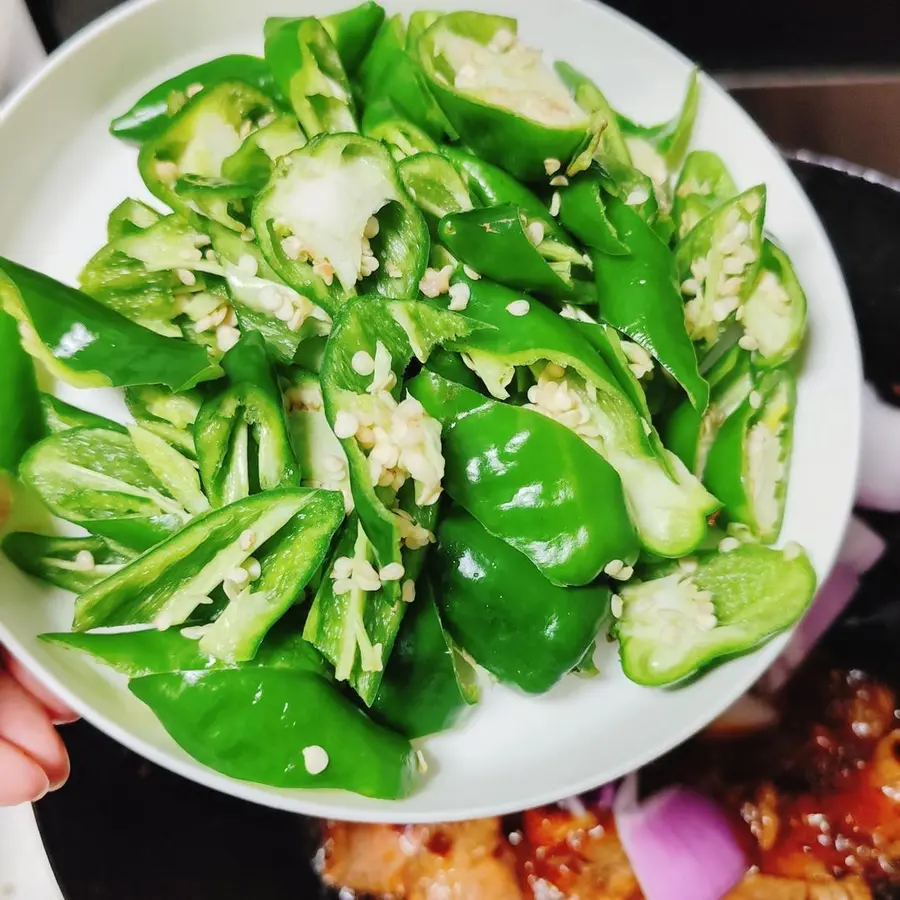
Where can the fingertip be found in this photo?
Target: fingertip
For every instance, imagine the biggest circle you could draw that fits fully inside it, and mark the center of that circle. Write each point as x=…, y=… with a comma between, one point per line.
x=59, y=712
x=23, y=780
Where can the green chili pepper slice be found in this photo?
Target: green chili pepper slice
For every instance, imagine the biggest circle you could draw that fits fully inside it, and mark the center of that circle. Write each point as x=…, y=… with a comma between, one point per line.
x=704, y=184
x=683, y=620
x=352, y=32
x=402, y=137
x=20, y=407
x=130, y=217
x=150, y=116
x=61, y=416
x=251, y=163
x=504, y=614
x=435, y=185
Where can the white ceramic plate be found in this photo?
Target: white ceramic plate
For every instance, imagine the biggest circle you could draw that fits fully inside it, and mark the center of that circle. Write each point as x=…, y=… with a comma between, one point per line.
x=60, y=174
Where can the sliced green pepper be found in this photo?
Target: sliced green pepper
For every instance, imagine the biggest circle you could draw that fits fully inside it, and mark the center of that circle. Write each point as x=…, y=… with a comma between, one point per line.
x=150, y=116
x=721, y=605
x=718, y=263
x=428, y=683
x=241, y=433
x=97, y=478
x=252, y=162
x=72, y=563
x=20, y=408
x=352, y=32
x=308, y=69
x=87, y=345
x=504, y=614
x=499, y=95
x=392, y=83
x=262, y=301
x=667, y=504
x=279, y=728
x=749, y=460
x=637, y=292
x=501, y=244
x=704, y=184
x=152, y=652
x=402, y=137
x=774, y=314
x=61, y=416
x=130, y=217
x=335, y=218
x=167, y=414
x=571, y=520
x=200, y=137
x=435, y=185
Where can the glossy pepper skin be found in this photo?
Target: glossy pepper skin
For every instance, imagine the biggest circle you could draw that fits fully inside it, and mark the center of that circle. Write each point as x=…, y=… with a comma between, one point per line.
x=494, y=242
x=61, y=416
x=435, y=185
x=241, y=433
x=218, y=717
x=308, y=69
x=428, y=683
x=504, y=614
x=402, y=240
x=637, y=291
x=570, y=521
x=501, y=134
x=20, y=408
x=87, y=345
x=754, y=592
x=150, y=116
x=703, y=184
x=749, y=460
x=352, y=32
x=402, y=137
x=251, y=163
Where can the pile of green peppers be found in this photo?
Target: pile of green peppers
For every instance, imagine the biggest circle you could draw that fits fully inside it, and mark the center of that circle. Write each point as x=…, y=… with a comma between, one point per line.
x=434, y=362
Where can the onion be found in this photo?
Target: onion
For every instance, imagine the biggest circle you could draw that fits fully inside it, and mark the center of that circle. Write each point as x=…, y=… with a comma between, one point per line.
x=879, y=476
x=681, y=845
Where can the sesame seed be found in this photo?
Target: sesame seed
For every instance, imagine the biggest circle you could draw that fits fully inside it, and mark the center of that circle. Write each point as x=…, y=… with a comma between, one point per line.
x=345, y=425
x=342, y=568
x=292, y=246
x=84, y=561
x=748, y=342
x=791, y=550
x=226, y=337
x=254, y=569
x=186, y=276
x=637, y=196
x=459, y=296
x=535, y=232
x=315, y=759
x=617, y=606
x=626, y=573
x=372, y=228
x=613, y=567
x=555, y=203
x=247, y=540
x=559, y=181
x=726, y=545
x=471, y=273
x=518, y=308
x=363, y=363
x=211, y=256
x=755, y=399
x=408, y=593
x=552, y=165
x=691, y=287
x=248, y=264
x=239, y=576
x=392, y=572
x=688, y=565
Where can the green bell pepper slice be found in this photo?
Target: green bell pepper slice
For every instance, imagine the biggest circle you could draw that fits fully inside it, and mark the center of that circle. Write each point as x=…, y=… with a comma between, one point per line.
x=774, y=314
x=704, y=184
x=501, y=98
x=71, y=563
x=86, y=344
x=749, y=461
x=352, y=32
x=428, y=683
x=20, y=406
x=152, y=652
x=490, y=186
x=312, y=218
x=130, y=217
x=309, y=72
x=286, y=531
x=255, y=724
x=690, y=434
x=718, y=263
x=262, y=301
x=391, y=82
x=242, y=439
x=252, y=162
x=98, y=479
x=637, y=292
x=505, y=615
x=435, y=185
x=571, y=521
x=501, y=244
x=61, y=416
x=151, y=115
x=683, y=620
x=667, y=504
x=591, y=99
x=200, y=137
x=402, y=137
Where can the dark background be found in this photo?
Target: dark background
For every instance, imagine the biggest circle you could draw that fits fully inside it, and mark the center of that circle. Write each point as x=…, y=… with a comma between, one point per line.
x=721, y=36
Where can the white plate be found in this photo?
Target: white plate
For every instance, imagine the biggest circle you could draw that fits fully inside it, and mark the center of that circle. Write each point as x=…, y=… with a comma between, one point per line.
x=60, y=174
